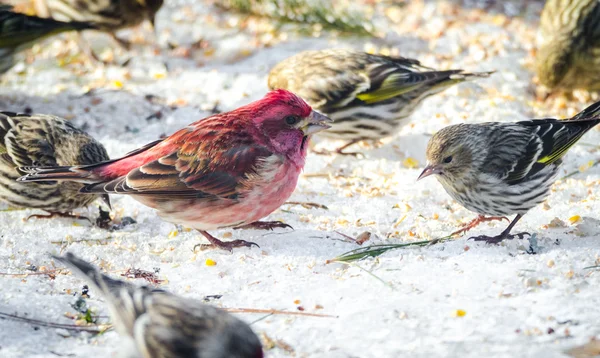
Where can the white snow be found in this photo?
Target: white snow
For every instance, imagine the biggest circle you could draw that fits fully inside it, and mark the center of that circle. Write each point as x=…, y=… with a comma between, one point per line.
x=511, y=299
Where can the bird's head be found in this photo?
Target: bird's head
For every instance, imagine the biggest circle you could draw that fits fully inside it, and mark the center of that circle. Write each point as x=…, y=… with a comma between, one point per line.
x=449, y=154
x=147, y=7
x=552, y=64
x=286, y=122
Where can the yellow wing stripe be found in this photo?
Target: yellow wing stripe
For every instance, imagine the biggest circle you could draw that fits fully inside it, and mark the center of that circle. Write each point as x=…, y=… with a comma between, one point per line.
x=549, y=159
x=389, y=89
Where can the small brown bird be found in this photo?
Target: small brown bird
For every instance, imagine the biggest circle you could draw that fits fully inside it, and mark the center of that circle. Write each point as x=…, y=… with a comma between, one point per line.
x=106, y=15
x=369, y=97
x=568, y=55
x=163, y=325
x=19, y=32
x=44, y=140
x=504, y=168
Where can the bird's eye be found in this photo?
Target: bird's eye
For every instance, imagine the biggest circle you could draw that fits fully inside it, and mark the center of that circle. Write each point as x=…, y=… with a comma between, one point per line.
x=291, y=120
x=448, y=159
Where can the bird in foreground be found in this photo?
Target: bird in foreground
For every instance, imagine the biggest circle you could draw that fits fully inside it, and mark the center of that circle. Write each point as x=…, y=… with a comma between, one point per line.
x=227, y=170
x=500, y=169
x=107, y=15
x=19, y=32
x=369, y=97
x=44, y=140
x=163, y=325
x=568, y=55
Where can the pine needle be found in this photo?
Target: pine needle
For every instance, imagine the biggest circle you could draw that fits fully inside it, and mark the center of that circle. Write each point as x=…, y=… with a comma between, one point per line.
x=377, y=250
x=275, y=312
x=71, y=327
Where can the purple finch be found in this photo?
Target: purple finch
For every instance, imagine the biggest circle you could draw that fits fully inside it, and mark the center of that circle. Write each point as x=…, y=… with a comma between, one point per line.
x=227, y=170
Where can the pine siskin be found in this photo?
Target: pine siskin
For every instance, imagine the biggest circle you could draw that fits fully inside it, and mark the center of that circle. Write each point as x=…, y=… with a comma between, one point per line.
x=367, y=96
x=44, y=140
x=164, y=325
x=107, y=15
x=568, y=53
x=501, y=169
x=19, y=32
x=228, y=170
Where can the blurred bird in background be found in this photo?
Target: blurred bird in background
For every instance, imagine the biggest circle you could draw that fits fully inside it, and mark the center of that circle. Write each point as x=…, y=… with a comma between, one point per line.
x=162, y=325
x=19, y=32
x=568, y=55
x=369, y=97
x=228, y=170
x=107, y=15
x=503, y=168
x=44, y=140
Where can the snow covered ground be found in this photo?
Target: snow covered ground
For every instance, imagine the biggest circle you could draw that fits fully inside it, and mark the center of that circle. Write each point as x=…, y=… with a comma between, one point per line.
x=457, y=298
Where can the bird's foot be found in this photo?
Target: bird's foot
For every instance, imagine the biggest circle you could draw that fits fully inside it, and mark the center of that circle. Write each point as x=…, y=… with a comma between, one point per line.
x=265, y=225
x=57, y=214
x=478, y=220
x=499, y=238
x=224, y=245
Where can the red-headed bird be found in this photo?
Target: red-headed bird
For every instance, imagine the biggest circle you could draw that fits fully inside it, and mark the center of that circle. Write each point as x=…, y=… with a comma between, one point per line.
x=227, y=170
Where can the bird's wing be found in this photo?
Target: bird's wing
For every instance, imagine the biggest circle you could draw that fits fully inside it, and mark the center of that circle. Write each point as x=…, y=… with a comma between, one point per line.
x=175, y=327
x=333, y=79
x=394, y=76
x=222, y=167
x=26, y=141
x=19, y=30
x=527, y=147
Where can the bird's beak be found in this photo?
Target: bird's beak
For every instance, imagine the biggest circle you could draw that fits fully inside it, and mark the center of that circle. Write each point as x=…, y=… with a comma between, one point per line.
x=316, y=122
x=153, y=24
x=106, y=199
x=429, y=170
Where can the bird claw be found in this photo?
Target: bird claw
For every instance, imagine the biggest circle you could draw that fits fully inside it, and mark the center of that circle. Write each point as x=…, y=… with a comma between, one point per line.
x=478, y=220
x=60, y=215
x=266, y=225
x=499, y=238
x=228, y=246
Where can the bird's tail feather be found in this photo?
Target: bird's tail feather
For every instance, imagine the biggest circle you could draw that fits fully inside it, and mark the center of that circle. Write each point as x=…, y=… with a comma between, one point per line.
x=91, y=274
x=67, y=173
x=589, y=113
x=465, y=76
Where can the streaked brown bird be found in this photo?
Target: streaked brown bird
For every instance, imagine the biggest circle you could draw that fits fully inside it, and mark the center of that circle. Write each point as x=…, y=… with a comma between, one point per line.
x=106, y=15
x=19, y=32
x=369, y=97
x=163, y=325
x=44, y=140
x=568, y=55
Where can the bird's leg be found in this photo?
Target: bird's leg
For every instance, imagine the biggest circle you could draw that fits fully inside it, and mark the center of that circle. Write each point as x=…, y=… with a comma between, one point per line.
x=218, y=244
x=265, y=225
x=340, y=150
x=86, y=48
x=123, y=43
x=478, y=220
x=505, y=235
x=57, y=214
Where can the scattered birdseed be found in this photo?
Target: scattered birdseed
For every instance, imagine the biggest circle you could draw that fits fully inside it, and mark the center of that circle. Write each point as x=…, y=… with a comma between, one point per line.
x=459, y=313
x=210, y=262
